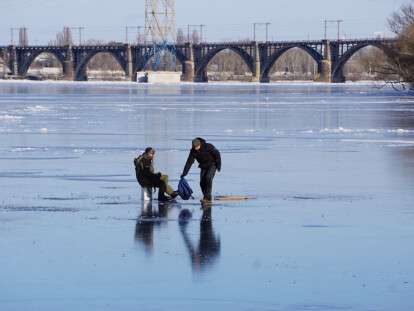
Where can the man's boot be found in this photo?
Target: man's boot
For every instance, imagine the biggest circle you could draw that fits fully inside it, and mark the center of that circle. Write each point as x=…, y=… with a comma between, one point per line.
x=174, y=195
x=162, y=197
x=206, y=200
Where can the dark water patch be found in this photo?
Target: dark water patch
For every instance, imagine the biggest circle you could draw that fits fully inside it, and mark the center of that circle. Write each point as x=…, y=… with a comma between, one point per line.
x=65, y=198
x=247, y=149
x=37, y=158
x=74, y=133
x=238, y=151
x=298, y=197
x=19, y=174
x=39, y=209
x=120, y=203
x=327, y=197
x=341, y=151
x=321, y=307
x=230, y=136
x=91, y=179
x=125, y=219
x=6, y=220
x=88, y=178
x=245, y=139
x=100, y=178
x=73, y=148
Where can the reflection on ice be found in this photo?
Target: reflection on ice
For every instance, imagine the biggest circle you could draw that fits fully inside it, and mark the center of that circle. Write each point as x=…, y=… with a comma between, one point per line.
x=203, y=253
x=206, y=252
x=149, y=218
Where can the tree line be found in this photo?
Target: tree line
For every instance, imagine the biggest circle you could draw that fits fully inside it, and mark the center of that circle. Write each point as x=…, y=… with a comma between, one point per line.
x=401, y=56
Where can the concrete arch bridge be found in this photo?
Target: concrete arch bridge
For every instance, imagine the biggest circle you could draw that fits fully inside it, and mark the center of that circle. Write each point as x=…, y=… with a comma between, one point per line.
x=330, y=56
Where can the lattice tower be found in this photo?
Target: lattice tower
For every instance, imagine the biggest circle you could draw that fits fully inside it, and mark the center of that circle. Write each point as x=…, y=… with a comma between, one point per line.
x=160, y=27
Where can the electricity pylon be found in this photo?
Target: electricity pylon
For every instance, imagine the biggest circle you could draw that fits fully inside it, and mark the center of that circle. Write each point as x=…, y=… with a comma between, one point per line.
x=160, y=25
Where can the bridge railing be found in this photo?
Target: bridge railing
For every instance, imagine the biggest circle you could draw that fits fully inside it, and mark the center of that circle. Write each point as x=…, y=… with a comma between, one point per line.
x=240, y=43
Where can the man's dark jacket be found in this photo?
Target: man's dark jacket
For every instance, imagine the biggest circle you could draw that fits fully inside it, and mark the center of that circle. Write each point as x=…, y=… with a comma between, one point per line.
x=144, y=171
x=206, y=157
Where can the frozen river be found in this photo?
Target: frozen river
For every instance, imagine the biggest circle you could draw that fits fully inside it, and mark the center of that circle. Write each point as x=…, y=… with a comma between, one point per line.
x=331, y=168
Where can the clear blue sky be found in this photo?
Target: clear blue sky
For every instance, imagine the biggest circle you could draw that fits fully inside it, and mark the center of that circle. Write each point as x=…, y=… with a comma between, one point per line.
x=225, y=19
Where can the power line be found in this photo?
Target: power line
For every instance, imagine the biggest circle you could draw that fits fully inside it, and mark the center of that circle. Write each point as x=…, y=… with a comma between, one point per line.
x=137, y=28
x=267, y=24
x=12, y=29
x=200, y=27
x=80, y=30
x=337, y=21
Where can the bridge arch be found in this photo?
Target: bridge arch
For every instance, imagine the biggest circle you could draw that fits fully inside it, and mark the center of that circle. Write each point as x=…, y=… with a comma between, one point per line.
x=81, y=70
x=3, y=63
x=143, y=59
x=153, y=51
x=337, y=72
x=29, y=57
x=201, y=74
x=275, y=57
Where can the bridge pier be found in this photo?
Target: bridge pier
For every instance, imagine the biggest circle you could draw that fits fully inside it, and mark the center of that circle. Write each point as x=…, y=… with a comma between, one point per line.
x=338, y=77
x=257, y=65
x=325, y=67
x=4, y=64
x=129, y=70
x=325, y=74
x=189, y=66
x=68, y=65
x=14, y=65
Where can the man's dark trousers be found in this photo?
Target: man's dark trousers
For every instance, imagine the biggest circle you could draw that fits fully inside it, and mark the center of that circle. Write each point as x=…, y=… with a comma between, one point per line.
x=206, y=181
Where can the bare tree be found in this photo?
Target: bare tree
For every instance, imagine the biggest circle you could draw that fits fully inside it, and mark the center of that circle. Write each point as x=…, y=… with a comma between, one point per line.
x=402, y=54
x=402, y=20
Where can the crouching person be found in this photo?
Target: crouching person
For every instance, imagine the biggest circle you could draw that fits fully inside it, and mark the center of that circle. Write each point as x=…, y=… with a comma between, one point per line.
x=147, y=178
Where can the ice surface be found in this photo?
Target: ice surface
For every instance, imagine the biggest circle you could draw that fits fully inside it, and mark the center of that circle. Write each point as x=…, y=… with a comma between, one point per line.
x=331, y=168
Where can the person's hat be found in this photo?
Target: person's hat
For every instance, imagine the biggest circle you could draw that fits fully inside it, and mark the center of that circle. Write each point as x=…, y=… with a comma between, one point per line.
x=150, y=150
x=196, y=143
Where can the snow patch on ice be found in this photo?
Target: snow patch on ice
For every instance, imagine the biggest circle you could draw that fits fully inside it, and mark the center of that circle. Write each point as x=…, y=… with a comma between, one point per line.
x=341, y=130
x=380, y=141
x=23, y=149
x=37, y=108
x=401, y=131
x=10, y=118
x=336, y=130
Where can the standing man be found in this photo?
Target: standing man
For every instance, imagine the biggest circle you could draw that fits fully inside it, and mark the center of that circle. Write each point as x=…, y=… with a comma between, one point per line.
x=209, y=160
x=146, y=176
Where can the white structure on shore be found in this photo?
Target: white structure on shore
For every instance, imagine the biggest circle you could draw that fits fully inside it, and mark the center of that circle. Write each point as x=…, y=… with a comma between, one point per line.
x=159, y=77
